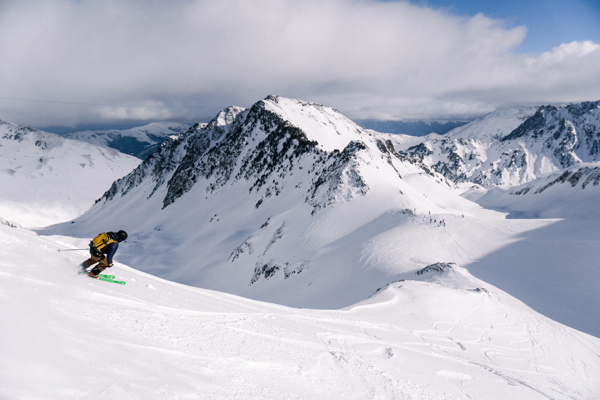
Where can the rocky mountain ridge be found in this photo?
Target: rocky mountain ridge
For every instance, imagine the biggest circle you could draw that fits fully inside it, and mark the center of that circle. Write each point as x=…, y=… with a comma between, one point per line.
x=550, y=139
x=263, y=148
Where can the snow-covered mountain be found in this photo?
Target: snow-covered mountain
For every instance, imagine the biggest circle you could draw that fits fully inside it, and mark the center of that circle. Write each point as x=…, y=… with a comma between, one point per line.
x=47, y=179
x=439, y=334
x=290, y=202
x=495, y=125
x=138, y=142
x=253, y=193
x=506, y=148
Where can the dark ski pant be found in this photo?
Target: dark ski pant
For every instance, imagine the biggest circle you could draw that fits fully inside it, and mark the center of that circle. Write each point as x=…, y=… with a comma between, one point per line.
x=102, y=264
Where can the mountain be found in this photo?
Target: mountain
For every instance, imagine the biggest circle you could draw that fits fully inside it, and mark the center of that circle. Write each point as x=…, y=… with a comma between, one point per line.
x=47, y=179
x=494, y=125
x=138, y=142
x=439, y=334
x=569, y=134
x=264, y=195
x=411, y=128
x=292, y=203
x=516, y=151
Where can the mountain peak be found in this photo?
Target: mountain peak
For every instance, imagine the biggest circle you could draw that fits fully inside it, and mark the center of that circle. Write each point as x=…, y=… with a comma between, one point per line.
x=271, y=138
x=325, y=125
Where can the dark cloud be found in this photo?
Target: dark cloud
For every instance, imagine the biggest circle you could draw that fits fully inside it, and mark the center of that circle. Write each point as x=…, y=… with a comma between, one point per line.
x=146, y=60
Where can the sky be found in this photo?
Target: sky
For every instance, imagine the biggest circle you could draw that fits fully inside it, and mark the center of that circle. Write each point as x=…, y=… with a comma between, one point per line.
x=73, y=63
x=549, y=23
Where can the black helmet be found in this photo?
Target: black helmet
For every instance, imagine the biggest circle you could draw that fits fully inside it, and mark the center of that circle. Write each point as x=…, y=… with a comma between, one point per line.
x=122, y=236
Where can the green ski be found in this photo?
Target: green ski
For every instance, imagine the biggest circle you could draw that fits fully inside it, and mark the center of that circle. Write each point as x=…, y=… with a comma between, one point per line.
x=100, y=278
x=106, y=278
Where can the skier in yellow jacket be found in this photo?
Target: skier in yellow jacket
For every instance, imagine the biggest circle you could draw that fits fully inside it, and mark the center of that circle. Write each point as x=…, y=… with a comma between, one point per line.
x=102, y=249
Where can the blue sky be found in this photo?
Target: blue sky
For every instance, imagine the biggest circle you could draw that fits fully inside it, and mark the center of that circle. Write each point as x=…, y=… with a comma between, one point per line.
x=81, y=62
x=550, y=23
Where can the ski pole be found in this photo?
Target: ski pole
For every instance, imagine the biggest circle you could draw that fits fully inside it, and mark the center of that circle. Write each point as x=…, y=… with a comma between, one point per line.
x=71, y=249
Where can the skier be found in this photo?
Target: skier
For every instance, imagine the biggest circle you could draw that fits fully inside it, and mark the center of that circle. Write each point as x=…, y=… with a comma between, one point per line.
x=102, y=249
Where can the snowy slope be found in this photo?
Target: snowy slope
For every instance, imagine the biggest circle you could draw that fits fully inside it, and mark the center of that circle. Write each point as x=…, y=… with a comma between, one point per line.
x=290, y=202
x=495, y=125
x=139, y=142
x=47, y=179
x=440, y=334
x=569, y=193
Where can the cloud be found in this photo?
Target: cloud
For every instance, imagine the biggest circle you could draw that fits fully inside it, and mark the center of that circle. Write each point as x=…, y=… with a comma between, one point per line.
x=369, y=59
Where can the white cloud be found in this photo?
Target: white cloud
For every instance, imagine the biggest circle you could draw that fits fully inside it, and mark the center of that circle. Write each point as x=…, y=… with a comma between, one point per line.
x=366, y=58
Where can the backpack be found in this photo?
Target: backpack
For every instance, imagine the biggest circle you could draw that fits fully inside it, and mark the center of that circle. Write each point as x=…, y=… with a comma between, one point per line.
x=100, y=242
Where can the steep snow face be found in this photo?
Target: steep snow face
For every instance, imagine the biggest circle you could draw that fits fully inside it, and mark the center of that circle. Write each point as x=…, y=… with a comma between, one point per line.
x=138, y=142
x=324, y=125
x=488, y=153
x=47, y=179
x=439, y=334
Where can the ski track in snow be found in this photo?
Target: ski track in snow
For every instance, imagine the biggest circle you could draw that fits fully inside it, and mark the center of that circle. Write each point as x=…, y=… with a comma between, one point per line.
x=67, y=336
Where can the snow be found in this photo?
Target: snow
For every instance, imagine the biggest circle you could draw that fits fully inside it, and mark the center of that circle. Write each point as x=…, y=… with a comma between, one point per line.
x=358, y=293
x=495, y=125
x=47, y=179
x=513, y=146
x=320, y=123
x=437, y=336
x=145, y=134
x=277, y=248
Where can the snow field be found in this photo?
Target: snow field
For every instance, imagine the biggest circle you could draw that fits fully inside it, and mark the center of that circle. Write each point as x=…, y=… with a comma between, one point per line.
x=440, y=336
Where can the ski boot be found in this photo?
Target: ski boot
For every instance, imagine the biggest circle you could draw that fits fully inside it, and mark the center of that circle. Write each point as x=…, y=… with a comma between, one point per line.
x=94, y=273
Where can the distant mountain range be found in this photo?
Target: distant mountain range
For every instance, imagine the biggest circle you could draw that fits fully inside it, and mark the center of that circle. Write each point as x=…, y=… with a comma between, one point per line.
x=412, y=128
x=514, y=146
x=46, y=178
x=138, y=142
